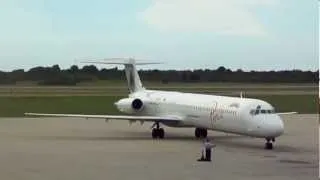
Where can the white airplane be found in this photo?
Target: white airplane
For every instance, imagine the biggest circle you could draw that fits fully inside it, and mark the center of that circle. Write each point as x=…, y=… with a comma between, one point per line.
x=238, y=115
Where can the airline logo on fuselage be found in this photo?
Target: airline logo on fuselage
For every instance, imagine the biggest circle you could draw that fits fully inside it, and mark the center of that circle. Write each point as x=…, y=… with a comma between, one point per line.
x=235, y=105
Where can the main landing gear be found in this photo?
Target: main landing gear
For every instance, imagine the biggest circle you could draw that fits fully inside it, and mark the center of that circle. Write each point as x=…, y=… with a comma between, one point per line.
x=157, y=132
x=269, y=145
x=200, y=133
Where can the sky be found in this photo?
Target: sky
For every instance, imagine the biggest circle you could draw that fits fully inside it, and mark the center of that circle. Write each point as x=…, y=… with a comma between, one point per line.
x=183, y=34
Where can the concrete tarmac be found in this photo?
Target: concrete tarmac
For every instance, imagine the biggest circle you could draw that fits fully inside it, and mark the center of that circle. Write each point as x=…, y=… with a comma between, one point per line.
x=79, y=149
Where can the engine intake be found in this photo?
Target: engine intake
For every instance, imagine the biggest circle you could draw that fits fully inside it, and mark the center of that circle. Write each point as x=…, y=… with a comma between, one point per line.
x=137, y=104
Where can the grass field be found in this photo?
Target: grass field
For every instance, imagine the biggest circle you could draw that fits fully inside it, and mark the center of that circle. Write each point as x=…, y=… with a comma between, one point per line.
x=121, y=89
x=99, y=98
x=16, y=106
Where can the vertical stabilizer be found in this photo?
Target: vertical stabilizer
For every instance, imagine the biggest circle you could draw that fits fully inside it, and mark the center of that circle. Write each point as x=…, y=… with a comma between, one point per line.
x=133, y=79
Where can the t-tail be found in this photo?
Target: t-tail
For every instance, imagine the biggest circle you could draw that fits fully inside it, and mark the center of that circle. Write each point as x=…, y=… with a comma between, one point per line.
x=132, y=75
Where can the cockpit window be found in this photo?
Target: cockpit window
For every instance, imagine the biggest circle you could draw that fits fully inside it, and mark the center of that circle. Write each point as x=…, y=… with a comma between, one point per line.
x=261, y=111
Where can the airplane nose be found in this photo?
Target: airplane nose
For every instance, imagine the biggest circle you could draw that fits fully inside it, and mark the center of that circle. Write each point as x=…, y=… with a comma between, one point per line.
x=276, y=126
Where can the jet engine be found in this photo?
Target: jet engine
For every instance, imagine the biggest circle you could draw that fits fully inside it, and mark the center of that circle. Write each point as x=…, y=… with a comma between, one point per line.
x=130, y=105
x=137, y=104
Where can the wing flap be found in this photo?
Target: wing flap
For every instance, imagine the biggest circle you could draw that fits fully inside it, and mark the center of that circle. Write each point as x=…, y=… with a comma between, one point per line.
x=110, y=117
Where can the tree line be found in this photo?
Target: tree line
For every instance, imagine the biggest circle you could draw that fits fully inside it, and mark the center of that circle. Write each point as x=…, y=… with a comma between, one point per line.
x=54, y=75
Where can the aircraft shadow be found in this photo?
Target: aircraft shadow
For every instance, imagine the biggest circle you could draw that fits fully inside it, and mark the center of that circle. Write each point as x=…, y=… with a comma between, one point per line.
x=235, y=142
x=129, y=136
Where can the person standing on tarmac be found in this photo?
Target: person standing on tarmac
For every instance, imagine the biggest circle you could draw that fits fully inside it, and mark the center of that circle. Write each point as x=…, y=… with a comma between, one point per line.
x=207, y=148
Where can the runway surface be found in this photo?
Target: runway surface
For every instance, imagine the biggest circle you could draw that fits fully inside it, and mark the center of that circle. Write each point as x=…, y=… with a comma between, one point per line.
x=52, y=148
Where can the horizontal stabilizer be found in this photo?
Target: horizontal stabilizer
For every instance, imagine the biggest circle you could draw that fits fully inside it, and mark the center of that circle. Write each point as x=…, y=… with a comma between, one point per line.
x=133, y=78
x=120, y=61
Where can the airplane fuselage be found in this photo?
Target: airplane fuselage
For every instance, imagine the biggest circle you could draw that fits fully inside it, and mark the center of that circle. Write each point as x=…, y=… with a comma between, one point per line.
x=245, y=116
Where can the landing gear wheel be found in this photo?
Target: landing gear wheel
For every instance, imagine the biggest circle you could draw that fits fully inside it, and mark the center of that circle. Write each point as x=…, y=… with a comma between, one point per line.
x=269, y=145
x=161, y=133
x=204, y=133
x=197, y=133
x=154, y=133
x=157, y=132
x=200, y=133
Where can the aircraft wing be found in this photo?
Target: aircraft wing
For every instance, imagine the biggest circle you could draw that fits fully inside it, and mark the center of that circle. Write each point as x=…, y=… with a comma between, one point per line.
x=286, y=113
x=115, y=117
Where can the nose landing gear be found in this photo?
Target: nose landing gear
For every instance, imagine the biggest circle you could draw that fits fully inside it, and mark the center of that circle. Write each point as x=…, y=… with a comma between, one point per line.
x=269, y=145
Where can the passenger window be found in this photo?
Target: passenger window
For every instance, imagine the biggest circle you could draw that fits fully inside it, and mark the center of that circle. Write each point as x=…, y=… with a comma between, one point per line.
x=263, y=111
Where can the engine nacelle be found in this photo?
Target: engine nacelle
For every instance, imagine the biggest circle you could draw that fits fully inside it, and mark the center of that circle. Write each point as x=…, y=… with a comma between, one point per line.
x=130, y=105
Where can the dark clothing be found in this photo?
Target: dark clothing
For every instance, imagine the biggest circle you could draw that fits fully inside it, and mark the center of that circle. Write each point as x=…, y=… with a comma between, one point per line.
x=208, y=154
